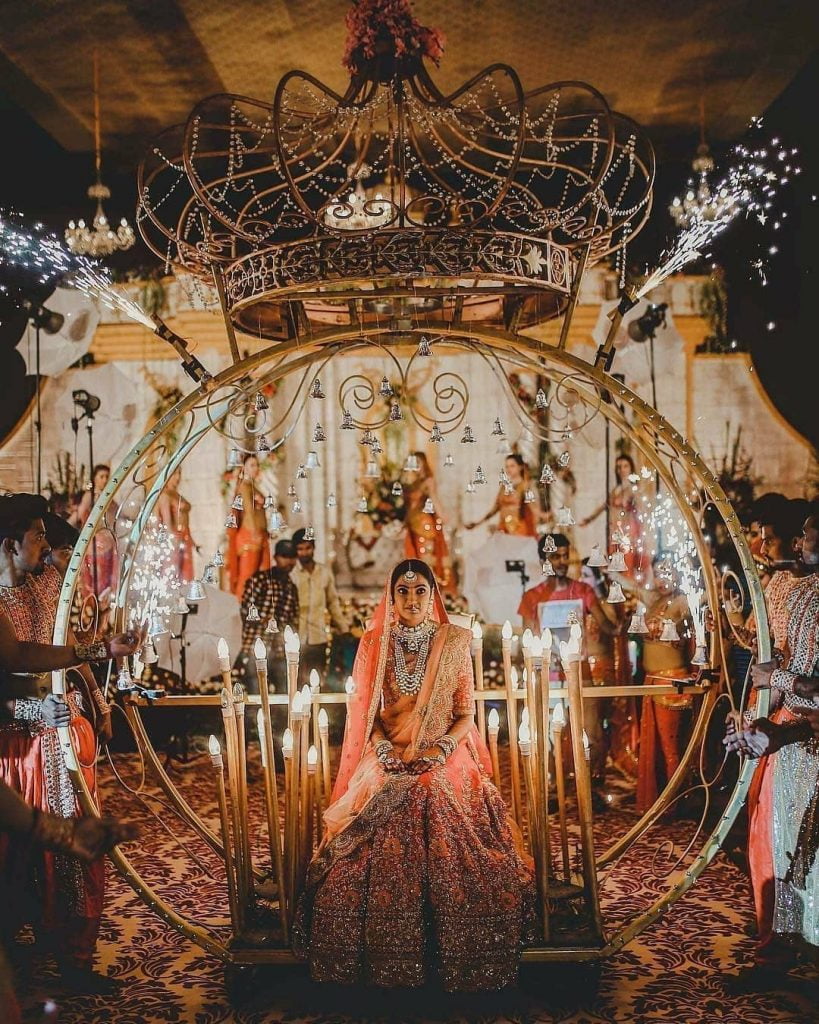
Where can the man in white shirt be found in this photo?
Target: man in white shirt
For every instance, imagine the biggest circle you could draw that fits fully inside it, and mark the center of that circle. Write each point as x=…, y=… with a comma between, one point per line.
x=317, y=597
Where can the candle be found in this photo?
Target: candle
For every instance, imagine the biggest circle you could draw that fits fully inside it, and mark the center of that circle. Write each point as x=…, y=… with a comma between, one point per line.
x=324, y=740
x=215, y=751
x=494, y=729
x=259, y=652
x=512, y=720
x=526, y=640
x=477, y=667
x=262, y=738
x=558, y=723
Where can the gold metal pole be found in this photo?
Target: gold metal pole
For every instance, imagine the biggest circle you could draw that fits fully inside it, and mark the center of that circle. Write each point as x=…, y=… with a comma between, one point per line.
x=292, y=646
x=304, y=786
x=582, y=774
x=241, y=774
x=477, y=658
x=274, y=828
x=293, y=822
x=324, y=738
x=315, y=690
x=558, y=722
x=512, y=719
x=540, y=713
x=229, y=723
x=525, y=740
x=215, y=751
x=313, y=799
x=494, y=729
x=287, y=755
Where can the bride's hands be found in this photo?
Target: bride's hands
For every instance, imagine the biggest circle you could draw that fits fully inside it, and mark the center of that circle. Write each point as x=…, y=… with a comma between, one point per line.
x=430, y=757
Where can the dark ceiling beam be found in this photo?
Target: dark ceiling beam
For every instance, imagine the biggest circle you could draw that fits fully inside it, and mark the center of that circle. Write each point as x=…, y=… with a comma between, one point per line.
x=45, y=107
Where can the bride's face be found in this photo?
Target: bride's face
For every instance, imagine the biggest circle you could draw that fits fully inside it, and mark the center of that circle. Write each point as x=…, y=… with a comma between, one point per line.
x=411, y=599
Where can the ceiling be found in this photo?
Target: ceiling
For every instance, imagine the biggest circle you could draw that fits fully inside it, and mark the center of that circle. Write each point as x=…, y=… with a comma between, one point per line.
x=653, y=59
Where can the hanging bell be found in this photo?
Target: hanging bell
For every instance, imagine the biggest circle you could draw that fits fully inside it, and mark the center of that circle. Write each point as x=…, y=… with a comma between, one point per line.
x=436, y=436
x=210, y=575
x=395, y=413
x=276, y=521
x=497, y=430
x=157, y=627
x=347, y=421
x=238, y=503
x=541, y=401
x=617, y=562
x=449, y=461
x=700, y=655
x=567, y=436
x=125, y=681
x=470, y=488
x=638, y=624
x=547, y=475
x=148, y=655
x=546, y=568
x=372, y=472
x=411, y=463
x=318, y=434
x=331, y=500
x=616, y=595
x=181, y=606
x=268, y=501
x=231, y=522
x=397, y=490
x=468, y=436
x=219, y=558
x=235, y=458
x=252, y=613
x=195, y=592
x=564, y=459
x=385, y=388
x=528, y=497
x=296, y=508
x=272, y=626
x=315, y=390
x=376, y=448
x=424, y=349
x=597, y=560
x=669, y=633
x=291, y=490
x=260, y=402
x=301, y=472
x=549, y=546
x=565, y=517
x=429, y=508
x=480, y=476
x=312, y=460
x=262, y=444
x=362, y=504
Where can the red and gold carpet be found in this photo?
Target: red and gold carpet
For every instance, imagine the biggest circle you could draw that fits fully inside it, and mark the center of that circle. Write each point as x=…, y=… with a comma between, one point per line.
x=678, y=971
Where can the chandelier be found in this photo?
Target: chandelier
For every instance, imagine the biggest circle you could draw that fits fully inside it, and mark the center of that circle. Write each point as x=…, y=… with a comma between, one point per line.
x=394, y=204
x=98, y=239
x=700, y=202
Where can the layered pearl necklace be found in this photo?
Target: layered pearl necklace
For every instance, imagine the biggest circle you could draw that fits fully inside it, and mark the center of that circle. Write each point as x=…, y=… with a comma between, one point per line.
x=411, y=640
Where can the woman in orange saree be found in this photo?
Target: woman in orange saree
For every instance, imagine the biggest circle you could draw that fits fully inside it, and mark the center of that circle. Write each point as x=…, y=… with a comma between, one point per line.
x=419, y=867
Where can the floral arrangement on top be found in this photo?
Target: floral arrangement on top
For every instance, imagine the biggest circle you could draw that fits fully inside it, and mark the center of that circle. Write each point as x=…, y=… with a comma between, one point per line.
x=387, y=28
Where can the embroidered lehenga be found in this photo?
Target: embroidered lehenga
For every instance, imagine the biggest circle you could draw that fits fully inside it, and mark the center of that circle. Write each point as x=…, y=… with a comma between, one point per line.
x=416, y=872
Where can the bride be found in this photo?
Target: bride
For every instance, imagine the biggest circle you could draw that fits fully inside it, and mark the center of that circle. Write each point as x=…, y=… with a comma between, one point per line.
x=419, y=866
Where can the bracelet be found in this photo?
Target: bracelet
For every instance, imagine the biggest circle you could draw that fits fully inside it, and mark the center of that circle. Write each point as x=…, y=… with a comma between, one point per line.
x=96, y=651
x=782, y=679
x=382, y=750
x=28, y=710
x=448, y=745
x=103, y=706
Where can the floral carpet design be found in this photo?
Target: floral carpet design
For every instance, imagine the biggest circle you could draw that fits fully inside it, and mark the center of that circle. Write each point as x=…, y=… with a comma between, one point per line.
x=677, y=971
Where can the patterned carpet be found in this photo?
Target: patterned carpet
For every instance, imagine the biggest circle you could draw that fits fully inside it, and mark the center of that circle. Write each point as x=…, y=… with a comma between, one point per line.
x=676, y=971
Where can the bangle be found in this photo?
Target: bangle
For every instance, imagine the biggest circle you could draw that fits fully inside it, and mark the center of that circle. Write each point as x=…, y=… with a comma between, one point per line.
x=103, y=706
x=382, y=750
x=447, y=744
x=28, y=710
x=96, y=651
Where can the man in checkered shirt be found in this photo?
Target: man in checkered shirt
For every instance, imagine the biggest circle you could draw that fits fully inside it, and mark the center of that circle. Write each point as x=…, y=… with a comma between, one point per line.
x=276, y=599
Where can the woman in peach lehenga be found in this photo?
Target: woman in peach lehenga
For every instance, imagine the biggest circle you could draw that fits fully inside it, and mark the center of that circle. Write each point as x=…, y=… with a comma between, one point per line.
x=419, y=866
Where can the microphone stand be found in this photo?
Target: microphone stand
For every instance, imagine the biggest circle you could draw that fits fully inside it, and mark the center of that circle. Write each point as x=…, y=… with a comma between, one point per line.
x=38, y=424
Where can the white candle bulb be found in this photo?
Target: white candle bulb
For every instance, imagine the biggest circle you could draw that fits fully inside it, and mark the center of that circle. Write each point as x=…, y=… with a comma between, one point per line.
x=524, y=733
x=524, y=716
x=223, y=651
x=526, y=639
x=312, y=758
x=287, y=742
x=297, y=704
x=559, y=715
x=586, y=746
x=259, y=650
x=315, y=679
x=292, y=643
x=536, y=647
x=214, y=747
x=349, y=686
x=506, y=632
x=494, y=721
x=288, y=633
x=513, y=675
x=477, y=631
x=546, y=639
x=306, y=698
x=323, y=720
x=575, y=631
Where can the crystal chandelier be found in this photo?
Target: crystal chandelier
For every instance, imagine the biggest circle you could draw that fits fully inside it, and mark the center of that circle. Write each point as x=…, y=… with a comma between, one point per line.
x=99, y=239
x=700, y=203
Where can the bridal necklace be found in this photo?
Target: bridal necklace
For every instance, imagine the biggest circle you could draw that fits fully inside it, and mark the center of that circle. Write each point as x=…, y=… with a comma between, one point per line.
x=411, y=640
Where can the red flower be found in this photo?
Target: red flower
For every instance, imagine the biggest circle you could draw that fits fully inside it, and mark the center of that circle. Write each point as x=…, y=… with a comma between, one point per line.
x=387, y=28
